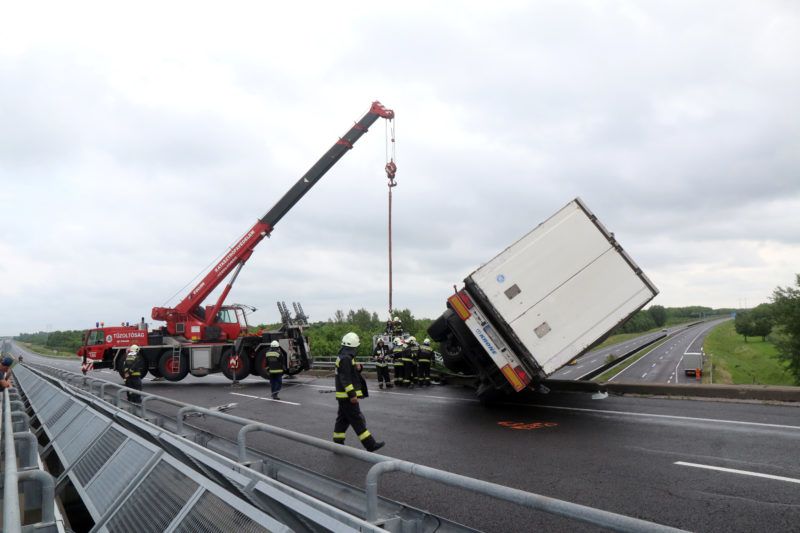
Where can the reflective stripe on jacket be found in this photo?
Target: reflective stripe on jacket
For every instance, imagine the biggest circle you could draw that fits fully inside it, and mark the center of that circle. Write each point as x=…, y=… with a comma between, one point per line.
x=274, y=362
x=348, y=382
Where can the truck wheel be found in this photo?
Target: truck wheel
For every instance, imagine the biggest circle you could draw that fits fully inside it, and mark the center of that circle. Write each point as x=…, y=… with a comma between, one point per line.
x=172, y=369
x=261, y=365
x=232, y=374
x=438, y=330
x=453, y=356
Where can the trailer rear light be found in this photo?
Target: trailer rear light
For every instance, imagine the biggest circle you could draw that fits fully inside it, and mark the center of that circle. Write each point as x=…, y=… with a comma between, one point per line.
x=466, y=299
x=513, y=378
x=522, y=375
x=459, y=307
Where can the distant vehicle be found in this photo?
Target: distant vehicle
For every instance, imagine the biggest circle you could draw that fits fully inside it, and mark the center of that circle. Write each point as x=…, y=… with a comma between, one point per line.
x=539, y=304
x=665, y=330
x=692, y=363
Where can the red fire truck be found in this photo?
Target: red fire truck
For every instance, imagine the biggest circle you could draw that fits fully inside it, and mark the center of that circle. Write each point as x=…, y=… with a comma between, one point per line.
x=203, y=339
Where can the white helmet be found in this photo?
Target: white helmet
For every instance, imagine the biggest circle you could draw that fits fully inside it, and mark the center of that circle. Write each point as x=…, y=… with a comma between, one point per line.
x=426, y=342
x=412, y=339
x=397, y=319
x=351, y=340
x=398, y=340
x=133, y=349
x=274, y=344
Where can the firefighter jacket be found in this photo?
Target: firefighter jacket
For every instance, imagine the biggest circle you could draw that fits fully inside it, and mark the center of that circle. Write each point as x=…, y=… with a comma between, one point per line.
x=133, y=366
x=425, y=354
x=348, y=380
x=399, y=353
x=381, y=356
x=413, y=353
x=274, y=362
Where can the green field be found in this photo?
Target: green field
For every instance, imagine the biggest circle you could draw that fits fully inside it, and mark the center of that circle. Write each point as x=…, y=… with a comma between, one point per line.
x=742, y=363
x=44, y=350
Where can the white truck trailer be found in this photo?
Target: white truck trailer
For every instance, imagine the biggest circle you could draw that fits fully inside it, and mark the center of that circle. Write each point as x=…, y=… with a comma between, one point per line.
x=543, y=301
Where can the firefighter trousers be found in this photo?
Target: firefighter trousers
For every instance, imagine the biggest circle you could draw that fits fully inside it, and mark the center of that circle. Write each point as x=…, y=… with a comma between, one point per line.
x=424, y=373
x=134, y=382
x=383, y=375
x=350, y=415
x=399, y=373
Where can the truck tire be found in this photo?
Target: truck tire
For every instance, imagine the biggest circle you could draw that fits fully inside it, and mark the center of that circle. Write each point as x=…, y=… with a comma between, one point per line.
x=438, y=330
x=238, y=374
x=453, y=356
x=168, y=368
x=261, y=366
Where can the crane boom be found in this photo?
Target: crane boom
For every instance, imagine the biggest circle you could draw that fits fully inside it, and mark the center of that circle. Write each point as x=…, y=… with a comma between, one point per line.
x=189, y=310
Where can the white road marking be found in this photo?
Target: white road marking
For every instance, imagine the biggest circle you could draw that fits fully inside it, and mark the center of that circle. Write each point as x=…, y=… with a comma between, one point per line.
x=262, y=398
x=654, y=365
x=743, y=472
x=653, y=415
x=643, y=375
x=412, y=395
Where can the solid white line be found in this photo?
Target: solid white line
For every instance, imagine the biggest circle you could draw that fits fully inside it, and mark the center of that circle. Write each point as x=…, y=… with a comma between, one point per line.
x=676, y=369
x=692, y=353
x=408, y=394
x=743, y=472
x=262, y=398
x=652, y=415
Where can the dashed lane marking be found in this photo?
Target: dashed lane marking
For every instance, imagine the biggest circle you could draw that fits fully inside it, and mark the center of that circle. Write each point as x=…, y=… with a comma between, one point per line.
x=742, y=472
x=262, y=398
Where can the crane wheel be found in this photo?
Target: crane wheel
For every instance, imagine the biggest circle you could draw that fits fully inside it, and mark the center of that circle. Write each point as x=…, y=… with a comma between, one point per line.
x=172, y=369
x=261, y=365
x=234, y=374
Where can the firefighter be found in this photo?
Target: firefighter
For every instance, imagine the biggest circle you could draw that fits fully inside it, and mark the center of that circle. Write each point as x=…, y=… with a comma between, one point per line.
x=132, y=371
x=424, y=361
x=412, y=362
x=348, y=391
x=275, y=365
x=381, y=358
x=399, y=365
x=5, y=372
x=397, y=327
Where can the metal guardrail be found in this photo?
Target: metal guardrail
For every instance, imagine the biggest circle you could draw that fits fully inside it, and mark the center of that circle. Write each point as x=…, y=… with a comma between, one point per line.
x=126, y=482
x=384, y=464
x=18, y=471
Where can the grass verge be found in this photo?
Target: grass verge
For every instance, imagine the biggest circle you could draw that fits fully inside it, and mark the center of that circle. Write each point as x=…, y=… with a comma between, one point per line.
x=44, y=350
x=743, y=363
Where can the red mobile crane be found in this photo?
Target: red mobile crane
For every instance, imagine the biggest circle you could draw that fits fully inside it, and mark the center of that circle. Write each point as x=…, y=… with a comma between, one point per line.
x=204, y=339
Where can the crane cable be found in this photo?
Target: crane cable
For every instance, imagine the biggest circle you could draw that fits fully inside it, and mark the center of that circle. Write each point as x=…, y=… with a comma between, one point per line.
x=391, y=170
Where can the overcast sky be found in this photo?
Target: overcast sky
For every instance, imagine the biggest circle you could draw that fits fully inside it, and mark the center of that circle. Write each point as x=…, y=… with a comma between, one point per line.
x=138, y=142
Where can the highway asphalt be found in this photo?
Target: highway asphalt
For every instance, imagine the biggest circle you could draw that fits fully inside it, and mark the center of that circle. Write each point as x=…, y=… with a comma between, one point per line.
x=697, y=465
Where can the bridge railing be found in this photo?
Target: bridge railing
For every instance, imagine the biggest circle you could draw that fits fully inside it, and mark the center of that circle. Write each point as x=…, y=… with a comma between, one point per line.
x=383, y=464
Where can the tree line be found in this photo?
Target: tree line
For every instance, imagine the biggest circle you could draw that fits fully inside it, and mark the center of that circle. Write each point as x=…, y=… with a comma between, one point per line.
x=778, y=320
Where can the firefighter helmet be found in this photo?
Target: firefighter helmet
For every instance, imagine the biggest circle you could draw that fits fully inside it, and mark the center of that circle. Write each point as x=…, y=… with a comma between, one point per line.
x=412, y=339
x=397, y=319
x=350, y=340
x=426, y=342
x=398, y=340
x=274, y=344
x=133, y=349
